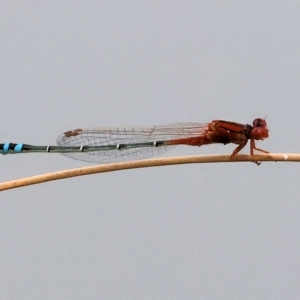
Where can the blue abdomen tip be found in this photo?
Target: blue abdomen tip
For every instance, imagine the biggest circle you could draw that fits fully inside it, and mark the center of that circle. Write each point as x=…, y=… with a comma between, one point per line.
x=6, y=148
x=18, y=148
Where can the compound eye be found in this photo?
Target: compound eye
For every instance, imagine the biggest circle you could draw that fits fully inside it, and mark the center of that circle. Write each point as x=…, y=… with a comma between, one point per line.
x=259, y=123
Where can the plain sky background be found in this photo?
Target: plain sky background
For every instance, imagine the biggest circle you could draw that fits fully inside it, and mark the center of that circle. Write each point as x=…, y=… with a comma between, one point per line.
x=213, y=231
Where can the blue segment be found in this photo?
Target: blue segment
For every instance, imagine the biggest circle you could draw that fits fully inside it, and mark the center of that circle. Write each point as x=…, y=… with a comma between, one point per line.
x=5, y=148
x=18, y=148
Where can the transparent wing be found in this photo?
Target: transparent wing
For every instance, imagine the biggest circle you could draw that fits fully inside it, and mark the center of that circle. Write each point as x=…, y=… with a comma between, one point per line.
x=129, y=135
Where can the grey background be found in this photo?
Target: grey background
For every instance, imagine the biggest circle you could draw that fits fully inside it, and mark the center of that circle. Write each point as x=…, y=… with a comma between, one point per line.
x=214, y=231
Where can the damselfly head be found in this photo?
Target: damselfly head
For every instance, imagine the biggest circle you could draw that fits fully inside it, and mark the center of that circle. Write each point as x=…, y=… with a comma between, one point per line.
x=260, y=130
